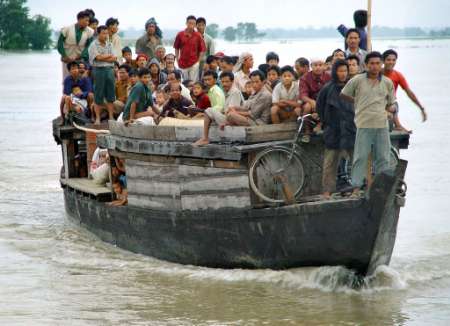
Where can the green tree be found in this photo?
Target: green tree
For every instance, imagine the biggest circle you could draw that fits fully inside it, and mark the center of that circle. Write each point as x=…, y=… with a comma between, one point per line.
x=212, y=30
x=39, y=33
x=229, y=34
x=18, y=31
x=251, y=32
x=240, y=31
x=13, y=24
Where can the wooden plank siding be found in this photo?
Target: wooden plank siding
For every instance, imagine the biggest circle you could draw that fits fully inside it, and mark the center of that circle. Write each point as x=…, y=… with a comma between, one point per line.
x=191, y=134
x=177, y=187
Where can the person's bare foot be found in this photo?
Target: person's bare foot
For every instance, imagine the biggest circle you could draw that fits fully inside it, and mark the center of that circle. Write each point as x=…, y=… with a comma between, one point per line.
x=326, y=195
x=97, y=122
x=355, y=193
x=201, y=142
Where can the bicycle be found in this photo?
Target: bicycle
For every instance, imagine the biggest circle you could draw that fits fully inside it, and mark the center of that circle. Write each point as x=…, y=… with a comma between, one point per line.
x=276, y=174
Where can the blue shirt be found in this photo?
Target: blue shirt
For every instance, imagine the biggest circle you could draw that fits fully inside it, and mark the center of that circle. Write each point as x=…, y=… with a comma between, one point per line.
x=83, y=83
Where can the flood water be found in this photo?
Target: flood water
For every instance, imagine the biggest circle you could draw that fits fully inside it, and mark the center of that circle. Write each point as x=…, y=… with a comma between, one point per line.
x=54, y=273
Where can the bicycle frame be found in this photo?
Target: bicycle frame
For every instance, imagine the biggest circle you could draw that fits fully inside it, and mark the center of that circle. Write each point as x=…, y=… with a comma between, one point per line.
x=297, y=135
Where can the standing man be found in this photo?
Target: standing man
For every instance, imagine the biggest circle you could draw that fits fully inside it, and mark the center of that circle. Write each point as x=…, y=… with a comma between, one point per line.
x=360, y=19
x=209, y=43
x=337, y=116
x=373, y=96
x=152, y=38
x=74, y=39
x=352, y=39
x=114, y=38
x=102, y=58
x=389, y=60
x=189, y=49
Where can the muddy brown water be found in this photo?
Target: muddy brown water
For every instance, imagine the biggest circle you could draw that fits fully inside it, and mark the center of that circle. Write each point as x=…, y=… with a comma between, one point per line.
x=54, y=273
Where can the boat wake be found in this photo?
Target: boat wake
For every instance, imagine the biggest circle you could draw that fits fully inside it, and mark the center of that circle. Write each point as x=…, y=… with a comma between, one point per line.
x=327, y=278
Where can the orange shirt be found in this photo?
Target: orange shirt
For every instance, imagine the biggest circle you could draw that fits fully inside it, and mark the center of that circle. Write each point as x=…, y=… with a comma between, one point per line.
x=397, y=79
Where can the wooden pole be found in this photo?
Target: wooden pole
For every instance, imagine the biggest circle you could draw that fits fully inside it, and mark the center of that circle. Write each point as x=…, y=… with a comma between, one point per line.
x=369, y=48
x=369, y=25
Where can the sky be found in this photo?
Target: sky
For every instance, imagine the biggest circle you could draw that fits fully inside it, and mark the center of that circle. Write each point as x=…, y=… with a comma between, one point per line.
x=265, y=13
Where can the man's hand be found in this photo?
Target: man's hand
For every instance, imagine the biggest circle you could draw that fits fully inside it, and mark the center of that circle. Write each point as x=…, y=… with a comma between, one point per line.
x=424, y=114
x=391, y=109
x=66, y=59
x=313, y=104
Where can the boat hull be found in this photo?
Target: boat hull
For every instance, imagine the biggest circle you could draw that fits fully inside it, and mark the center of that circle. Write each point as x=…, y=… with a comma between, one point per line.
x=356, y=233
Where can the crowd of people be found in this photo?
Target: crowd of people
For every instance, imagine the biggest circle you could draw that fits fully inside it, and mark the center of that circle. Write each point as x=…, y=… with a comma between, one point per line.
x=350, y=94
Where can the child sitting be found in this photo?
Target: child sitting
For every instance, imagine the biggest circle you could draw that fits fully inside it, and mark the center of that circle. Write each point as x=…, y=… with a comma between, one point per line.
x=273, y=77
x=201, y=100
x=77, y=93
x=121, y=194
x=248, y=90
x=159, y=100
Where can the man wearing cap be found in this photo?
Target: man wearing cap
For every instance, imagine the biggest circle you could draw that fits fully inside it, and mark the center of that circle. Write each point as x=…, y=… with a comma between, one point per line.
x=242, y=70
x=189, y=48
x=148, y=42
x=310, y=85
x=209, y=43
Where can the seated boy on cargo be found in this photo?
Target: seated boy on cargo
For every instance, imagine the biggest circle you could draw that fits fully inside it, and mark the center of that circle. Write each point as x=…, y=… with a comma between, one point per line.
x=273, y=77
x=285, y=97
x=177, y=105
x=215, y=113
x=139, y=103
x=77, y=92
x=201, y=100
x=256, y=110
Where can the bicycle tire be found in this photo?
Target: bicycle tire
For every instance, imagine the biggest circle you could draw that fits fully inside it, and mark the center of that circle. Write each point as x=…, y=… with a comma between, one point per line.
x=265, y=155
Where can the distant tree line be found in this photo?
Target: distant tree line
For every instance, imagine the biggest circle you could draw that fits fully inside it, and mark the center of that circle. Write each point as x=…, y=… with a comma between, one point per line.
x=19, y=31
x=242, y=32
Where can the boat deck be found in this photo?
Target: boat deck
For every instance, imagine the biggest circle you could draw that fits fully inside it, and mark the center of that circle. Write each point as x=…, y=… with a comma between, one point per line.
x=88, y=187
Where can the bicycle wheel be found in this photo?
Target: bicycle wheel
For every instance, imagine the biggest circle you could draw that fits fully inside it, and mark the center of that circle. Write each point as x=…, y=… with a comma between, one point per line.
x=272, y=174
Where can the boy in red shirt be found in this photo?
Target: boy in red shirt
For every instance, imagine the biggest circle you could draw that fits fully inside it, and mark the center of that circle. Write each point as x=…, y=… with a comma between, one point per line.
x=390, y=59
x=199, y=96
x=189, y=48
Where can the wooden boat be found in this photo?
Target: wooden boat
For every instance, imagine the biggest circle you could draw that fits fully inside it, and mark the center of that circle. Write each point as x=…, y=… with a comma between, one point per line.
x=194, y=205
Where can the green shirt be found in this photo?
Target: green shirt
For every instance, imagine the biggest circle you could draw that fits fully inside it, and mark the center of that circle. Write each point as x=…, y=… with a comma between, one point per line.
x=371, y=99
x=217, y=98
x=142, y=96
